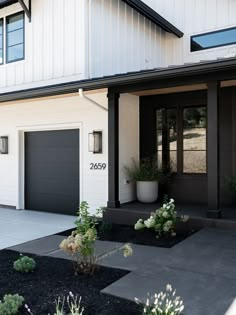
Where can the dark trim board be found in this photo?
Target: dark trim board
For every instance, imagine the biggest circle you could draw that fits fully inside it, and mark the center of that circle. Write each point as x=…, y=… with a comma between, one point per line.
x=137, y=81
x=153, y=16
x=6, y=3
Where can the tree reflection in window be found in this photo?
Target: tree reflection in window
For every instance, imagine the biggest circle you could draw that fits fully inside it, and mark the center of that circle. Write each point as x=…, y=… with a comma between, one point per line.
x=194, y=140
x=167, y=138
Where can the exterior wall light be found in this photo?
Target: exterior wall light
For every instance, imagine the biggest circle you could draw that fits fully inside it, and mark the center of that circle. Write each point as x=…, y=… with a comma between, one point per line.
x=95, y=142
x=4, y=145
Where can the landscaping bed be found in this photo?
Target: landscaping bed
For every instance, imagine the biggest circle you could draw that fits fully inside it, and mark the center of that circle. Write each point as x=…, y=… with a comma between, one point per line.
x=124, y=233
x=127, y=234
x=55, y=277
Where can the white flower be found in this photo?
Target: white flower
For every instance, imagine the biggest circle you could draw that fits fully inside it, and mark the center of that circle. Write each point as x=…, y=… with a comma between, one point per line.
x=165, y=214
x=173, y=234
x=127, y=250
x=149, y=223
x=184, y=218
x=164, y=205
x=139, y=225
x=172, y=200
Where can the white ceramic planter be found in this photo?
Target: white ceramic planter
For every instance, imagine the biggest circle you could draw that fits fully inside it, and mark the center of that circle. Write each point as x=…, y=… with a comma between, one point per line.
x=147, y=192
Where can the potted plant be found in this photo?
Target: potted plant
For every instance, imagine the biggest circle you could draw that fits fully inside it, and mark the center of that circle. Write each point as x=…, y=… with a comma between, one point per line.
x=146, y=174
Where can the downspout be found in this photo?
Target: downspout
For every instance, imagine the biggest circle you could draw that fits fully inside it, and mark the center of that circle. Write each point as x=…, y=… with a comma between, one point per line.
x=81, y=94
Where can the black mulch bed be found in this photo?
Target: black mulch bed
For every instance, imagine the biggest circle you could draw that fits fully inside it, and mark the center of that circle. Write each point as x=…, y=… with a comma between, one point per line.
x=127, y=234
x=55, y=277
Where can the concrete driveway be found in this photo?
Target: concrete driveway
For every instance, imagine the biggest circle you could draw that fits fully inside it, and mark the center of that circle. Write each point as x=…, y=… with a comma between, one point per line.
x=20, y=226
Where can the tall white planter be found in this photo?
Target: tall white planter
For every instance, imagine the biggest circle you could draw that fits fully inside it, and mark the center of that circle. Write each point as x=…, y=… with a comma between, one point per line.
x=147, y=192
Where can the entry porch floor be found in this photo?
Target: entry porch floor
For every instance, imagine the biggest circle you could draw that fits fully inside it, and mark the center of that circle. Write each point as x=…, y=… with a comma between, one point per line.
x=129, y=213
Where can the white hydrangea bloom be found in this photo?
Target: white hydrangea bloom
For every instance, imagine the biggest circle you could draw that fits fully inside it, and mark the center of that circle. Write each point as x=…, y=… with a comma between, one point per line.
x=139, y=225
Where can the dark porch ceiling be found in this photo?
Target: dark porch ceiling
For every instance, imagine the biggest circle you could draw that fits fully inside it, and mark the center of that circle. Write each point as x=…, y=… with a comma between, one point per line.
x=5, y=3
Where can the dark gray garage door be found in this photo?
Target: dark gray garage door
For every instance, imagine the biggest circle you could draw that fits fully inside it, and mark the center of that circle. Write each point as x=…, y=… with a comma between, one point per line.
x=52, y=171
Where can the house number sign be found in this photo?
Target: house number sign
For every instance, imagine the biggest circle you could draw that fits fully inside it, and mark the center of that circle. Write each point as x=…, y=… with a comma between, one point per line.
x=98, y=166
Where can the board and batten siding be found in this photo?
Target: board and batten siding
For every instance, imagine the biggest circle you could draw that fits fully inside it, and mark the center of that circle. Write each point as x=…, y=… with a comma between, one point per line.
x=71, y=40
x=121, y=40
x=194, y=17
x=54, y=45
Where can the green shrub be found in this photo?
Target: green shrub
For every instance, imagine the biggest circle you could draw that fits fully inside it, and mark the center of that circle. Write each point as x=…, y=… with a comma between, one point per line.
x=11, y=304
x=25, y=264
x=145, y=170
x=80, y=245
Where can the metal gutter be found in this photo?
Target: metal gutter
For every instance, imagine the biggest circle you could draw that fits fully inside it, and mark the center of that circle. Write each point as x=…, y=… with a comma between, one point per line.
x=153, y=16
x=122, y=80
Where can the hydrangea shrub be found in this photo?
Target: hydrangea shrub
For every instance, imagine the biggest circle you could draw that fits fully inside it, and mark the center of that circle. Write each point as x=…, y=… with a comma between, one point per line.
x=163, y=220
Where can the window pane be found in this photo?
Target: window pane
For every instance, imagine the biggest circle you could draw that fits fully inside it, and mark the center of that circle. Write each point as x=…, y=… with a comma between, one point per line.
x=195, y=117
x=1, y=41
x=15, y=22
x=173, y=161
x=214, y=39
x=159, y=118
x=159, y=140
x=195, y=139
x=15, y=52
x=16, y=37
x=172, y=139
x=159, y=159
x=195, y=162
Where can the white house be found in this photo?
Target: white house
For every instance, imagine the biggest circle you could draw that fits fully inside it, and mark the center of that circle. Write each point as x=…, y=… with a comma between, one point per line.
x=72, y=68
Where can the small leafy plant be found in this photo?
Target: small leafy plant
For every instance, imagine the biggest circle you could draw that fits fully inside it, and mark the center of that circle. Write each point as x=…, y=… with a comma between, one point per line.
x=163, y=221
x=25, y=264
x=164, y=303
x=11, y=304
x=72, y=302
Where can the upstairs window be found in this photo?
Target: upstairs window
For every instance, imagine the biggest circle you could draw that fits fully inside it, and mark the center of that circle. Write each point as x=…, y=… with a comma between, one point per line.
x=213, y=39
x=1, y=41
x=15, y=37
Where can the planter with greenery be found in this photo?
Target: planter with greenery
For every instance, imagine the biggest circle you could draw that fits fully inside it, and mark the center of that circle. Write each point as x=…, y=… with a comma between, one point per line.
x=147, y=175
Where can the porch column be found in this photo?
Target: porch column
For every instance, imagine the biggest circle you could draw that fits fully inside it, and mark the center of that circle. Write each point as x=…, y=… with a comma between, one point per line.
x=213, y=149
x=113, y=150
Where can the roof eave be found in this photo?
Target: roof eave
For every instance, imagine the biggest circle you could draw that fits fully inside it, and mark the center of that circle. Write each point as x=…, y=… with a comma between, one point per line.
x=7, y=3
x=153, y=16
x=129, y=79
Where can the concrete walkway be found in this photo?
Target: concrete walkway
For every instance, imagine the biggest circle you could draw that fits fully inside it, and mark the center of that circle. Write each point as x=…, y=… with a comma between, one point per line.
x=19, y=226
x=202, y=269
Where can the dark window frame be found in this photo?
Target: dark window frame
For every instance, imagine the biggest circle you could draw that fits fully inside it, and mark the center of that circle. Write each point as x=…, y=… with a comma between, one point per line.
x=3, y=48
x=180, y=137
x=6, y=35
x=211, y=33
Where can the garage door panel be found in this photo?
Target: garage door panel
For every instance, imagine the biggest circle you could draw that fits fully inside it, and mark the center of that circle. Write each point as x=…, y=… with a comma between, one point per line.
x=52, y=171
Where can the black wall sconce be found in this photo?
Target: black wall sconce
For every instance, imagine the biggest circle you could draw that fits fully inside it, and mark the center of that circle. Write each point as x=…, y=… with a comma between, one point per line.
x=95, y=142
x=4, y=145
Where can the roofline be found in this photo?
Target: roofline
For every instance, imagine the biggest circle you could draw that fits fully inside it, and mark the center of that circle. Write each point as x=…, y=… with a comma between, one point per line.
x=153, y=16
x=7, y=3
x=119, y=81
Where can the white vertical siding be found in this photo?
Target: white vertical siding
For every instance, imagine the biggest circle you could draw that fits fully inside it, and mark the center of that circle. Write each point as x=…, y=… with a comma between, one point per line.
x=79, y=39
x=129, y=142
x=54, y=45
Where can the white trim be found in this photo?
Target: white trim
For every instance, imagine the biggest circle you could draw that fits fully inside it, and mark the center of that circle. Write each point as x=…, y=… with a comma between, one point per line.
x=21, y=130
